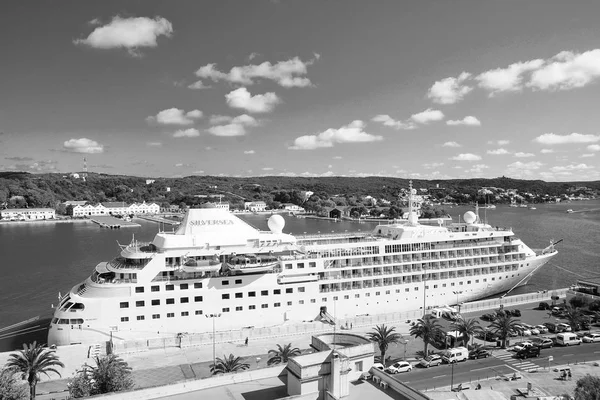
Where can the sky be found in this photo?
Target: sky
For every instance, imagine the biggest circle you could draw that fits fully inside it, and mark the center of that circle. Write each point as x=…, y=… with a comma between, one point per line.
x=423, y=90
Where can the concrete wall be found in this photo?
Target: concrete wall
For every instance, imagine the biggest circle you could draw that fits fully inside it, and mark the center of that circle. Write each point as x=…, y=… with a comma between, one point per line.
x=404, y=391
x=199, y=384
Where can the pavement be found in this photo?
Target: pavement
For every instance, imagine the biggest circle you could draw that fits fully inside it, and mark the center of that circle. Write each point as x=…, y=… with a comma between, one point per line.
x=164, y=366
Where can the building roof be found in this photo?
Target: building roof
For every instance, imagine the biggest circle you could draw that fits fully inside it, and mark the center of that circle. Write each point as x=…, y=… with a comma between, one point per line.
x=75, y=202
x=115, y=204
x=28, y=209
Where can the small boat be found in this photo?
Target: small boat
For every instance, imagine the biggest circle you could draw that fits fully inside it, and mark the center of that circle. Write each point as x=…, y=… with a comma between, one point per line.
x=570, y=211
x=250, y=263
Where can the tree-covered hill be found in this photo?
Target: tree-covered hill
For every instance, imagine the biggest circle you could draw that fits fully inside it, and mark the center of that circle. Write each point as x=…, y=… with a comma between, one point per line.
x=20, y=189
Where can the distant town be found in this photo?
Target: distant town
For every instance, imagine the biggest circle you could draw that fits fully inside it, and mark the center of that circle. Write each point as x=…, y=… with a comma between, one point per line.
x=43, y=197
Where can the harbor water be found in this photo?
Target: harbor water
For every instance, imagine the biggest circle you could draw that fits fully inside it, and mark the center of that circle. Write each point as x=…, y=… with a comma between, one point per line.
x=39, y=260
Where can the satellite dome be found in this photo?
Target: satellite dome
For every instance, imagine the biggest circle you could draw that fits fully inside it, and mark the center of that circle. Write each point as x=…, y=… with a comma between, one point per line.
x=276, y=223
x=413, y=191
x=470, y=217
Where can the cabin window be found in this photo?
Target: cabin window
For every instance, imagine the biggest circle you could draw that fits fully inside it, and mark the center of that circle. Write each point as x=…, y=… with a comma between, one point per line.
x=239, y=295
x=288, y=266
x=141, y=318
x=198, y=312
x=251, y=294
x=225, y=309
x=313, y=300
x=184, y=300
x=239, y=308
x=170, y=287
x=277, y=305
x=155, y=288
x=183, y=286
x=185, y=313
x=225, y=296
x=155, y=316
x=124, y=319
x=156, y=302
x=124, y=304
x=301, y=289
x=170, y=315
x=198, y=285
x=225, y=283
x=289, y=303
x=300, y=265
x=324, y=299
x=289, y=290
x=197, y=298
x=252, y=307
x=277, y=291
x=139, y=289
x=264, y=292
x=312, y=264
x=140, y=303
x=238, y=281
x=264, y=306
x=357, y=296
x=170, y=301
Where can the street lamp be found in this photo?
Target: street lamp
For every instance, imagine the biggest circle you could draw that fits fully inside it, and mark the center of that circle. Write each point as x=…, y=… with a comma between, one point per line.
x=213, y=317
x=457, y=292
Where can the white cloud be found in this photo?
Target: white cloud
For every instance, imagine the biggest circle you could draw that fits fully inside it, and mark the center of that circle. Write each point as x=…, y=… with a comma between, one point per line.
x=498, y=152
x=477, y=169
x=449, y=90
x=249, y=151
x=432, y=165
x=198, y=172
x=386, y=120
x=198, y=85
x=523, y=169
x=593, y=147
x=468, y=120
x=572, y=167
x=83, y=145
x=175, y=116
x=337, y=157
x=451, y=144
x=523, y=155
x=546, y=151
x=567, y=70
x=587, y=155
x=129, y=33
x=499, y=142
x=192, y=132
x=427, y=116
x=235, y=126
x=552, y=139
x=526, y=165
x=267, y=169
x=154, y=144
x=351, y=133
x=466, y=157
x=509, y=79
x=289, y=73
x=260, y=103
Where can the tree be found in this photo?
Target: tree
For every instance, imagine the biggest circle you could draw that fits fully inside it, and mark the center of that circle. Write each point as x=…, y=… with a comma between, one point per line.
x=111, y=374
x=428, y=329
x=503, y=325
x=228, y=364
x=32, y=361
x=587, y=388
x=577, y=302
x=574, y=317
x=467, y=328
x=384, y=336
x=282, y=354
x=10, y=388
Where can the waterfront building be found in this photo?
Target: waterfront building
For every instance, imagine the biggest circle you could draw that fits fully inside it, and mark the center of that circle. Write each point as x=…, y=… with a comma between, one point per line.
x=27, y=214
x=255, y=206
x=222, y=206
x=86, y=210
x=292, y=207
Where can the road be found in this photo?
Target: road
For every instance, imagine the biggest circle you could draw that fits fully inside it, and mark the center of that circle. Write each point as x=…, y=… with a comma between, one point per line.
x=502, y=362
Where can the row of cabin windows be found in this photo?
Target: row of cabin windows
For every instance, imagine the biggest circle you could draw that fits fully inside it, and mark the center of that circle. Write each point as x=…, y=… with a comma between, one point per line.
x=182, y=286
x=240, y=295
x=311, y=264
x=156, y=302
x=157, y=316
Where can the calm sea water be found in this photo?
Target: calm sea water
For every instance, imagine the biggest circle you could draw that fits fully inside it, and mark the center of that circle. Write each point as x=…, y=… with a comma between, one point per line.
x=40, y=259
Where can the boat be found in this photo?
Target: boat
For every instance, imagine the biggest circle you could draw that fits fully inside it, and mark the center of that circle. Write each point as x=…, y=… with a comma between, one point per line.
x=532, y=208
x=570, y=211
x=214, y=263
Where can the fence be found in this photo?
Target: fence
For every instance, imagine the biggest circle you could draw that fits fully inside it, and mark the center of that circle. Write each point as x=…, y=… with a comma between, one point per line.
x=199, y=339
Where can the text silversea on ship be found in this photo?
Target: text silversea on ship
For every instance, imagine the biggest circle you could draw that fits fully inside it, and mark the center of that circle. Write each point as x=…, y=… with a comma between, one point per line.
x=217, y=263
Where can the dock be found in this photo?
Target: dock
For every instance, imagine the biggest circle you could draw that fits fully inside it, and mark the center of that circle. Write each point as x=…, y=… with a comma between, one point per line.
x=113, y=222
x=160, y=220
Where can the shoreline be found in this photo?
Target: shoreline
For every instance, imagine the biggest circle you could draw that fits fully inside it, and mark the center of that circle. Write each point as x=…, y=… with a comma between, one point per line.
x=47, y=221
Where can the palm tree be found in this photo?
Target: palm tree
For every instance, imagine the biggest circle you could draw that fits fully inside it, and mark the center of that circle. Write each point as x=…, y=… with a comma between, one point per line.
x=282, y=354
x=467, y=328
x=574, y=317
x=384, y=336
x=33, y=361
x=111, y=374
x=428, y=329
x=228, y=364
x=502, y=326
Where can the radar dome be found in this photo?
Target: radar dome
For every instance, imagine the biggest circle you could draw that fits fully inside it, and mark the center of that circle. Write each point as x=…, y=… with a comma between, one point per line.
x=413, y=191
x=470, y=217
x=276, y=223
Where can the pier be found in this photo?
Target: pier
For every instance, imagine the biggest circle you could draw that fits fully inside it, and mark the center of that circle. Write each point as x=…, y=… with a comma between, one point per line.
x=113, y=222
x=160, y=220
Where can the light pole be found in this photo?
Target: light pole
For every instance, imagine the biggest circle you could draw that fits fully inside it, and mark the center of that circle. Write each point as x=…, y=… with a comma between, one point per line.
x=213, y=316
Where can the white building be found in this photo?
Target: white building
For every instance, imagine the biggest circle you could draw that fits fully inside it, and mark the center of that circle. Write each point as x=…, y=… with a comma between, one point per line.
x=27, y=214
x=113, y=208
x=87, y=210
x=255, y=206
x=292, y=207
x=143, y=208
x=223, y=206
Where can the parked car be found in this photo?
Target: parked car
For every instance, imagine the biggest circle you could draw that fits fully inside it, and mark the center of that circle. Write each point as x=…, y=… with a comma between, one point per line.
x=562, y=327
x=543, y=342
x=479, y=353
x=551, y=327
x=532, y=329
x=529, y=351
x=522, y=330
x=378, y=366
x=591, y=338
x=488, y=317
x=401, y=366
x=521, y=345
x=542, y=328
x=544, y=306
x=487, y=336
x=557, y=310
x=515, y=313
x=431, y=361
x=513, y=333
x=567, y=339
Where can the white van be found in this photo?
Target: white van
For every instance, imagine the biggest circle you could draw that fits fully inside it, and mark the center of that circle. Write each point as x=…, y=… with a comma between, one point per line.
x=567, y=339
x=455, y=355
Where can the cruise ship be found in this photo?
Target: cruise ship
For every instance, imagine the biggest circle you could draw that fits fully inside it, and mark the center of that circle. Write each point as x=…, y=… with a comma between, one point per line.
x=215, y=263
